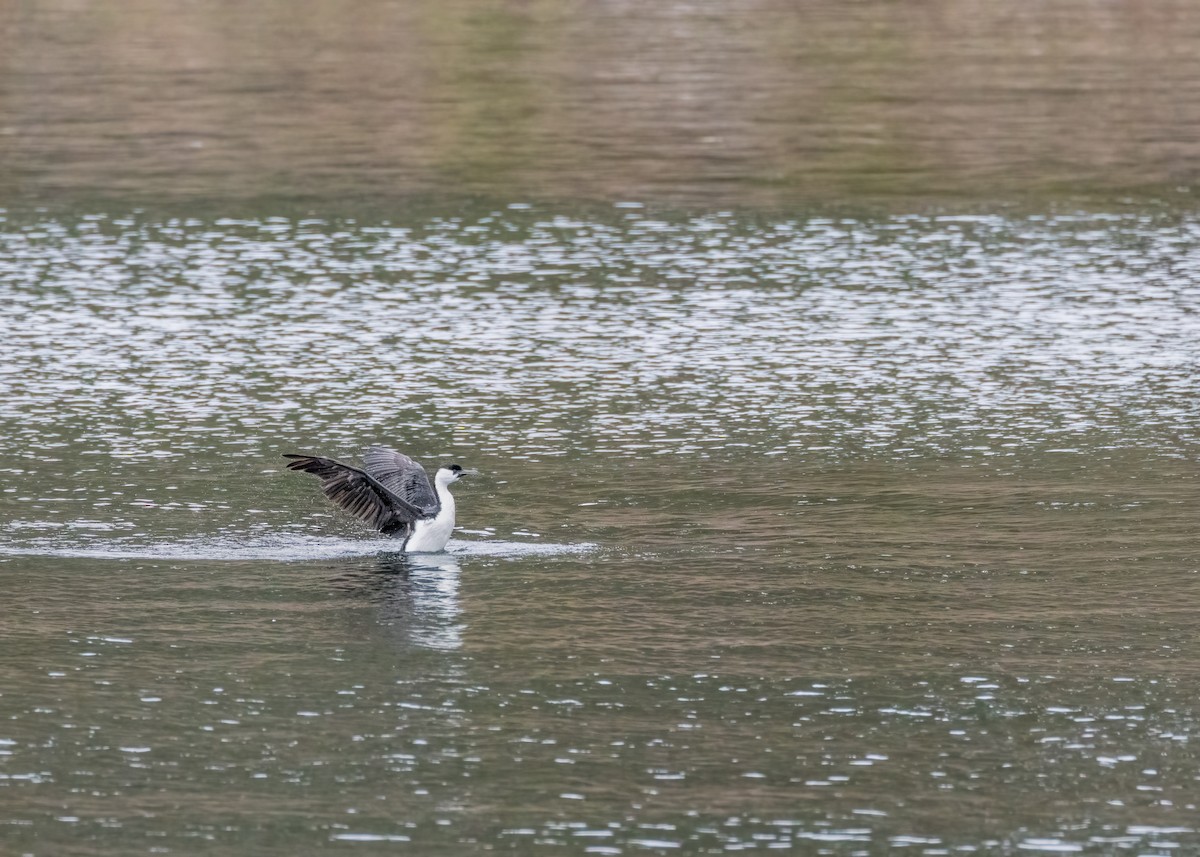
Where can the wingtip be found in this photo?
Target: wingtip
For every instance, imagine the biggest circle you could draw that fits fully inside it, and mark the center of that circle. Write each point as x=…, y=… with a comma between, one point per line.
x=297, y=462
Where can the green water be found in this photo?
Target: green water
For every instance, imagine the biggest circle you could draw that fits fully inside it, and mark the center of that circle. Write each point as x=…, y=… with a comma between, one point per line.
x=745, y=103
x=830, y=374
x=805, y=533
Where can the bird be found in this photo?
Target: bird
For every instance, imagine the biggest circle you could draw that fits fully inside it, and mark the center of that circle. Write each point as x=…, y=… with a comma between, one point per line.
x=392, y=493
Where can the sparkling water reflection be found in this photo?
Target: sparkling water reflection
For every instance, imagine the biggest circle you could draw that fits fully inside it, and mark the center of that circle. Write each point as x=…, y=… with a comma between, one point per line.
x=638, y=337
x=815, y=533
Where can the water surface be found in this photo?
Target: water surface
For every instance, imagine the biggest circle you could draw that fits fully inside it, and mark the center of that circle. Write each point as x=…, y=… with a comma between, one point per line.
x=844, y=535
x=752, y=103
x=830, y=369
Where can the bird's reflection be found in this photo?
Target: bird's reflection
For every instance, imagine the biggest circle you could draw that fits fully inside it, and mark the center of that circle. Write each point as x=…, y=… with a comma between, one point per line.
x=415, y=595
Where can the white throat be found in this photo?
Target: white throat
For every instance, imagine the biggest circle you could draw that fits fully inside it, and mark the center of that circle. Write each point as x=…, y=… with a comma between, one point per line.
x=431, y=535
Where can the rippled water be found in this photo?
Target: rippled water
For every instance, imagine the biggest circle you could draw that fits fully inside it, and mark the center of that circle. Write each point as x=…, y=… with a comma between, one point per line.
x=840, y=535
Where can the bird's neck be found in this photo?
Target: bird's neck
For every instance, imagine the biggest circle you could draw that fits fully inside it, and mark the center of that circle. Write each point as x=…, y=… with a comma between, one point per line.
x=447, y=501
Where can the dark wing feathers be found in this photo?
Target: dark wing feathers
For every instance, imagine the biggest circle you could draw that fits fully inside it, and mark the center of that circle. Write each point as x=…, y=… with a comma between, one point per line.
x=403, y=477
x=358, y=493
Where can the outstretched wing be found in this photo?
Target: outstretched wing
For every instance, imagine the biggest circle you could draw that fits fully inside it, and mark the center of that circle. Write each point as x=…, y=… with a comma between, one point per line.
x=403, y=477
x=358, y=493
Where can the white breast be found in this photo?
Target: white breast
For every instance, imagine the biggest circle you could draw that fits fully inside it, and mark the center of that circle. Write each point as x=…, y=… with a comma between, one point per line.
x=430, y=536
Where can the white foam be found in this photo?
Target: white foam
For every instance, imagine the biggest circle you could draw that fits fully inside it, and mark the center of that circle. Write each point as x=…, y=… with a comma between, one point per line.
x=282, y=548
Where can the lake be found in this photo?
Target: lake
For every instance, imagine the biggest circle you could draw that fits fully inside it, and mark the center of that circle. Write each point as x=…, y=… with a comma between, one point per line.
x=837, y=476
